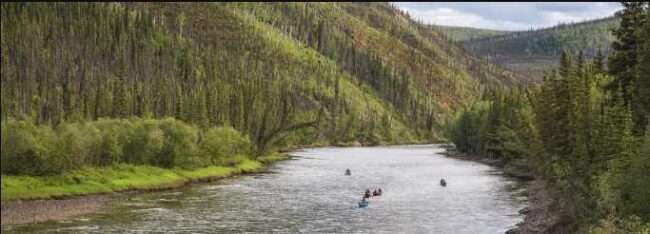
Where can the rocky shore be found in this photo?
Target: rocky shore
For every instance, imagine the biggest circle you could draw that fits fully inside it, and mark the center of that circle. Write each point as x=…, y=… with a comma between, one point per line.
x=20, y=212
x=543, y=214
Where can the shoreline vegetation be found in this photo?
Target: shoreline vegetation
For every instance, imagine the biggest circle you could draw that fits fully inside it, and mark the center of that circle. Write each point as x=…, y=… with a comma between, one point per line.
x=67, y=163
x=105, y=155
x=118, y=178
x=29, y=199
x=515, y=170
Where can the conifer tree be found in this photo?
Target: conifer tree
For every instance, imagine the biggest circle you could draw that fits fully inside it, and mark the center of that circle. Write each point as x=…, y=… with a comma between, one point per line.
x=643, y=72
x=624, y=59
x=598, y=62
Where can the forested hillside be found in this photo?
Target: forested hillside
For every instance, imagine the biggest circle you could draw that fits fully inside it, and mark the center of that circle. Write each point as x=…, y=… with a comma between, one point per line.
x=280, y=74
x=462, y=34
x=529, y=53
x=584, y=130
x=383, y=48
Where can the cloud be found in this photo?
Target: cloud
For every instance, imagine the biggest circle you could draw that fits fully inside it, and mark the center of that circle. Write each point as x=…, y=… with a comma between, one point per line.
x=451, y=17
x=507, y=15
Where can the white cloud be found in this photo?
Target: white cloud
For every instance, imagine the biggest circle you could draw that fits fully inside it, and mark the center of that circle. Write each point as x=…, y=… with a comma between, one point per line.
x=555, y=17
x=508, y=15
x=596, y=11
x=451, y=17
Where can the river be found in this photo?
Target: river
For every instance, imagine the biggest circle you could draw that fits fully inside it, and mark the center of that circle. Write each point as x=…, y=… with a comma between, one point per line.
x=311, y=194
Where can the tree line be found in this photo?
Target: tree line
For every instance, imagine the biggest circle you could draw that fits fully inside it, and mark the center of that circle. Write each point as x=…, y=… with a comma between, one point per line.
x=588, y=37
x=584, y=130
x=31, y=149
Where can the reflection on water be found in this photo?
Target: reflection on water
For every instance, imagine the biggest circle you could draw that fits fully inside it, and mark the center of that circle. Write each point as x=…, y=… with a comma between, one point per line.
x=312, y=195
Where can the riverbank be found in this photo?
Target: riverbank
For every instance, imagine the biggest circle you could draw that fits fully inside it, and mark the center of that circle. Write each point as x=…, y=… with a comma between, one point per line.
x=353, y=144
x=22, y=212
x=513, y=169
x=27, y=199
x=542, y=215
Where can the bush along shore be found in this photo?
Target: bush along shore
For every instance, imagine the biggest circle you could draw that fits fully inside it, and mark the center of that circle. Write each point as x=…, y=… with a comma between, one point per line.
x=109, y=155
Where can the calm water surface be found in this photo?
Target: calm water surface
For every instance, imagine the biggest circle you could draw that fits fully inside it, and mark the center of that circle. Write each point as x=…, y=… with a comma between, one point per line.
x=311, y=194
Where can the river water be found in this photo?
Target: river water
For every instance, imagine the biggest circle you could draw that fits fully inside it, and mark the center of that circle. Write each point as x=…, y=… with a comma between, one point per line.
x=311, y=194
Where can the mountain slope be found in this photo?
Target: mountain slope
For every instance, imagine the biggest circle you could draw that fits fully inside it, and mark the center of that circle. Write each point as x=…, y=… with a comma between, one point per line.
x=462, y=34
x=530, y=52
x=281, y=73
x=364, y=37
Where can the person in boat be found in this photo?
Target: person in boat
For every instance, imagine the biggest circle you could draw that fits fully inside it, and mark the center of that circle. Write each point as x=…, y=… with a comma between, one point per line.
x=443, y=182
x=364, y=202
x=379, y=191
x=348, y=172
x=367, y=194
x=376, y=193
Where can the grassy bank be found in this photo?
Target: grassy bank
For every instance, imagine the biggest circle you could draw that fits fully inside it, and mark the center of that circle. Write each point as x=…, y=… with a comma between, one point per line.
x=122, y=177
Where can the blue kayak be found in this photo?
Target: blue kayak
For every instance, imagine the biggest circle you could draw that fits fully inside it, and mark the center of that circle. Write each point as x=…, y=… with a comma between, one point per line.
x=363, y=204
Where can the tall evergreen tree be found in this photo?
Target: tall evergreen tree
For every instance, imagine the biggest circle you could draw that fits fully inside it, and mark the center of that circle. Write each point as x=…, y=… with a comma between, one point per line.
x=625, y=57
x=643, y=71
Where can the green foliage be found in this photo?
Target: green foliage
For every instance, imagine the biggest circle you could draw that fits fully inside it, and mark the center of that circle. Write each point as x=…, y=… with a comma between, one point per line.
x=465, y=132
x=576, y=135
x=499, y=128
x=281, y=74
x=636, y=183
x=252, y=76
x=118, y=177
x=624, y=62
x=462, y=34
x=28, y=149
x=642, y=96
x=613, y=224
x=588, y=36
x=531, y=53
x=222, y=144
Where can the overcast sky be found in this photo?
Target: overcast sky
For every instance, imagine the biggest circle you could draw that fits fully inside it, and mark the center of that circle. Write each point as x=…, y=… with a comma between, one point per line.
x=507, y=15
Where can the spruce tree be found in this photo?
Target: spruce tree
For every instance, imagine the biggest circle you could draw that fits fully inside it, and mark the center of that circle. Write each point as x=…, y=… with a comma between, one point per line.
x=598, y=62
x=643, y=72
x=624, y=59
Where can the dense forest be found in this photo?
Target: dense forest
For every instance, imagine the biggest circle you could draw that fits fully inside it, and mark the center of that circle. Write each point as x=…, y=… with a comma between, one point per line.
x=584, y=130
x=588, y=37
x=531, y=52
x=278, y=74
x=463, y=34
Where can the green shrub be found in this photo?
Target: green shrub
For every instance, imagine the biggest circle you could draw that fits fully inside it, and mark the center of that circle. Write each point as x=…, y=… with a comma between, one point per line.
x=28, y=149
x=613, y=224
x=180, y=146
x=145, y=142
x=75, y=145
x=115, y=133
x=222, y=146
